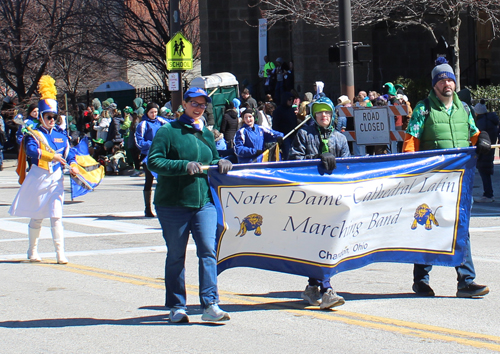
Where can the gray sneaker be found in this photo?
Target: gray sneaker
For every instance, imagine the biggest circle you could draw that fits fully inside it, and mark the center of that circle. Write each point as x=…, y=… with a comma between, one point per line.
x=331, y=299
x=213, y=313
x=312, y=295
x=178, y=316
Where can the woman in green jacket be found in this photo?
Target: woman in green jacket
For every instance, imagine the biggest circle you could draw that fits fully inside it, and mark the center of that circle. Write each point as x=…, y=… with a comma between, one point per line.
x=184, y=204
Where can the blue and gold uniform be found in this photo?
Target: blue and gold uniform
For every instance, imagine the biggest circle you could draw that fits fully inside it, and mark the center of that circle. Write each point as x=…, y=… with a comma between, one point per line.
x=39, y=147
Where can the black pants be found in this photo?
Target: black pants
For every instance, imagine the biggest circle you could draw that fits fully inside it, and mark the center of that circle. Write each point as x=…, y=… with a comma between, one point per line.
x=148, y=183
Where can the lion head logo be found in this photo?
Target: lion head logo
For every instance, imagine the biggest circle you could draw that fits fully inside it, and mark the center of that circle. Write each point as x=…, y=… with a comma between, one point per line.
x=249, y=223
x=424, y=216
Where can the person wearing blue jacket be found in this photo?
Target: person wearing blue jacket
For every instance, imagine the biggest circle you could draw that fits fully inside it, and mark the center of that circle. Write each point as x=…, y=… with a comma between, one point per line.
x=249, y=140
x=42, y=191
x=144, y=134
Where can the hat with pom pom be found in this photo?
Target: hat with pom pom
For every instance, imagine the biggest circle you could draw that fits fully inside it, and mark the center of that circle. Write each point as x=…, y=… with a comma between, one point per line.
x=48, y=92
x=442, y=71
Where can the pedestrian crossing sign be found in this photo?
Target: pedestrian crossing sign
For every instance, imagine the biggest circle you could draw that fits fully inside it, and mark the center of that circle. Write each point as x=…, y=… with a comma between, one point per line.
x=179, y=53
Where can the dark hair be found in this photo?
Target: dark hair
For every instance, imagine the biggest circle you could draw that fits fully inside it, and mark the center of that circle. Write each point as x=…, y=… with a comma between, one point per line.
x=150, y=106
x=248, y=110
x=30, y=108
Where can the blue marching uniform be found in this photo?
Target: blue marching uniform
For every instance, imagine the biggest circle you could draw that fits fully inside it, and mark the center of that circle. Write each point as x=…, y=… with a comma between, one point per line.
x=42, y=193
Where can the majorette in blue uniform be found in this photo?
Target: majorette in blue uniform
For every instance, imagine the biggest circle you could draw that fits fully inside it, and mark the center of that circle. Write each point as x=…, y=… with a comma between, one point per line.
x=42, y=191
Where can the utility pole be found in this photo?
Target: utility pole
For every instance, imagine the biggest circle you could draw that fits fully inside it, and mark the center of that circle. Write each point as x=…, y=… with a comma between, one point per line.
x=175, y=26
x=346, y=47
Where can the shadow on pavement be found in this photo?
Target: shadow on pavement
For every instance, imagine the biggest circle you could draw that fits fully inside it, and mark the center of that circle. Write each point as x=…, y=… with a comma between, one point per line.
x=79, y=322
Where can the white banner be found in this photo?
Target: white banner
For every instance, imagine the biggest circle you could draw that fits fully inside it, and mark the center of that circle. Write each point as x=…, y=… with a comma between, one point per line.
x=327, y=222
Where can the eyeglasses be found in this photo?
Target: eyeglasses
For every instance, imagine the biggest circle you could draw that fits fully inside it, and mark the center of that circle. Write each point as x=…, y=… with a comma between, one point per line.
x=196, y=104
x=50, y=117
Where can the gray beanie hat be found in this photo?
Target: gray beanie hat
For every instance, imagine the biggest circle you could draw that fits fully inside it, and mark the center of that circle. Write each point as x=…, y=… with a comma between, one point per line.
x=441, y=71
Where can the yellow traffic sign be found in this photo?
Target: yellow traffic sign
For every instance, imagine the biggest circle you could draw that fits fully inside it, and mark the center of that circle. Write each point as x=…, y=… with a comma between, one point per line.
x=179, y=53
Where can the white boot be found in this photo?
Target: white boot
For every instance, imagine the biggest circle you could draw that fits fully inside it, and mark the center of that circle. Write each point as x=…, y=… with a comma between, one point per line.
x=33, y=235
x=58, y=238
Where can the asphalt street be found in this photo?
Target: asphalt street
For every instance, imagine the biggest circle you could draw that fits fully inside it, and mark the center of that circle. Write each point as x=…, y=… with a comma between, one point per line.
x=109, y=298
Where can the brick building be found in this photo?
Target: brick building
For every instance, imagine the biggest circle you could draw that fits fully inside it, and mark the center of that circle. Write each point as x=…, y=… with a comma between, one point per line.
x=229, y=42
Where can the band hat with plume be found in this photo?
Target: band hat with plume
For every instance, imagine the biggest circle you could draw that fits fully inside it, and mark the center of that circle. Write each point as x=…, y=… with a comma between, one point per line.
x=442, y=71
x=48, y=93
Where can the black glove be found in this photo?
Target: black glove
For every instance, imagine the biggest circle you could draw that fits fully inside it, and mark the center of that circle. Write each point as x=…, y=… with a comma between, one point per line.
x=483, y=145
x=328, y=160
x=224, y=166
x=194, y=167
x=279, y=140
x=259, y=152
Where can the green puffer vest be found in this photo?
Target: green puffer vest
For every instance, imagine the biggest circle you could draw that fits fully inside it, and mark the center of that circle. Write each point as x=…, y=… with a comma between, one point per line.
x=442, y=131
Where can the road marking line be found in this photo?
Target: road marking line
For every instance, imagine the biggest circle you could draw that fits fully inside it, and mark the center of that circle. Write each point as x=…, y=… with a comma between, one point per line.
x=414, y=329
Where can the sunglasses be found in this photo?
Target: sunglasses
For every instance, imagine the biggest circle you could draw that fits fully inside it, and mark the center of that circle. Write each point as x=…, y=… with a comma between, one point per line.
x=50, y=117
x=196, y=104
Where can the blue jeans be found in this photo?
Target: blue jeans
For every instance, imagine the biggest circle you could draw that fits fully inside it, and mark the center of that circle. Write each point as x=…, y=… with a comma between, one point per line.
x=176, y=222
x=324, y=284
x=465, y=271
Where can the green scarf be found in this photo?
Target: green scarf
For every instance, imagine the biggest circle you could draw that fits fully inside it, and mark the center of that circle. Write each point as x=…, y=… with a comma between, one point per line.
x=324, y=134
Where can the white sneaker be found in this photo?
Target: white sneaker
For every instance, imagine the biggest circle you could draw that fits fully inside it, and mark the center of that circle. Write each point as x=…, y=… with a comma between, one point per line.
x=213, y=313
x=178, y=316
x=312, y=295
x=484, y=200
x=331, y=299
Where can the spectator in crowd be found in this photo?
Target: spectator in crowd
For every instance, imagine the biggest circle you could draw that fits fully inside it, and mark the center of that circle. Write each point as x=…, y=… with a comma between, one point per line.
x=229, y=124
x=132, y=146
x=144, y=134
x=486, y=122
x=318, y=89
x=289, y=77
x=267, y=74
x=248, y=99
x=304, y=107
x=101, y=126
x=285, y=121
x=279, y=76
x=117, y=120
x=373, y=95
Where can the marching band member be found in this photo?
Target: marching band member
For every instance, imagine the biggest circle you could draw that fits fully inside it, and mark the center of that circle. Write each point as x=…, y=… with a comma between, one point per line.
x=42, y=191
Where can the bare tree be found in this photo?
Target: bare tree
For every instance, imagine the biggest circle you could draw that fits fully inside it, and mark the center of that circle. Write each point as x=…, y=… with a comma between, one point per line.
x=426, y=14
x=32, y=33
x=138, y=30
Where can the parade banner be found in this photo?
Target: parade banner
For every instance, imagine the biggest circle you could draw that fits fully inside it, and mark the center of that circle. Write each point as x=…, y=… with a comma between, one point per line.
x=295, y=217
